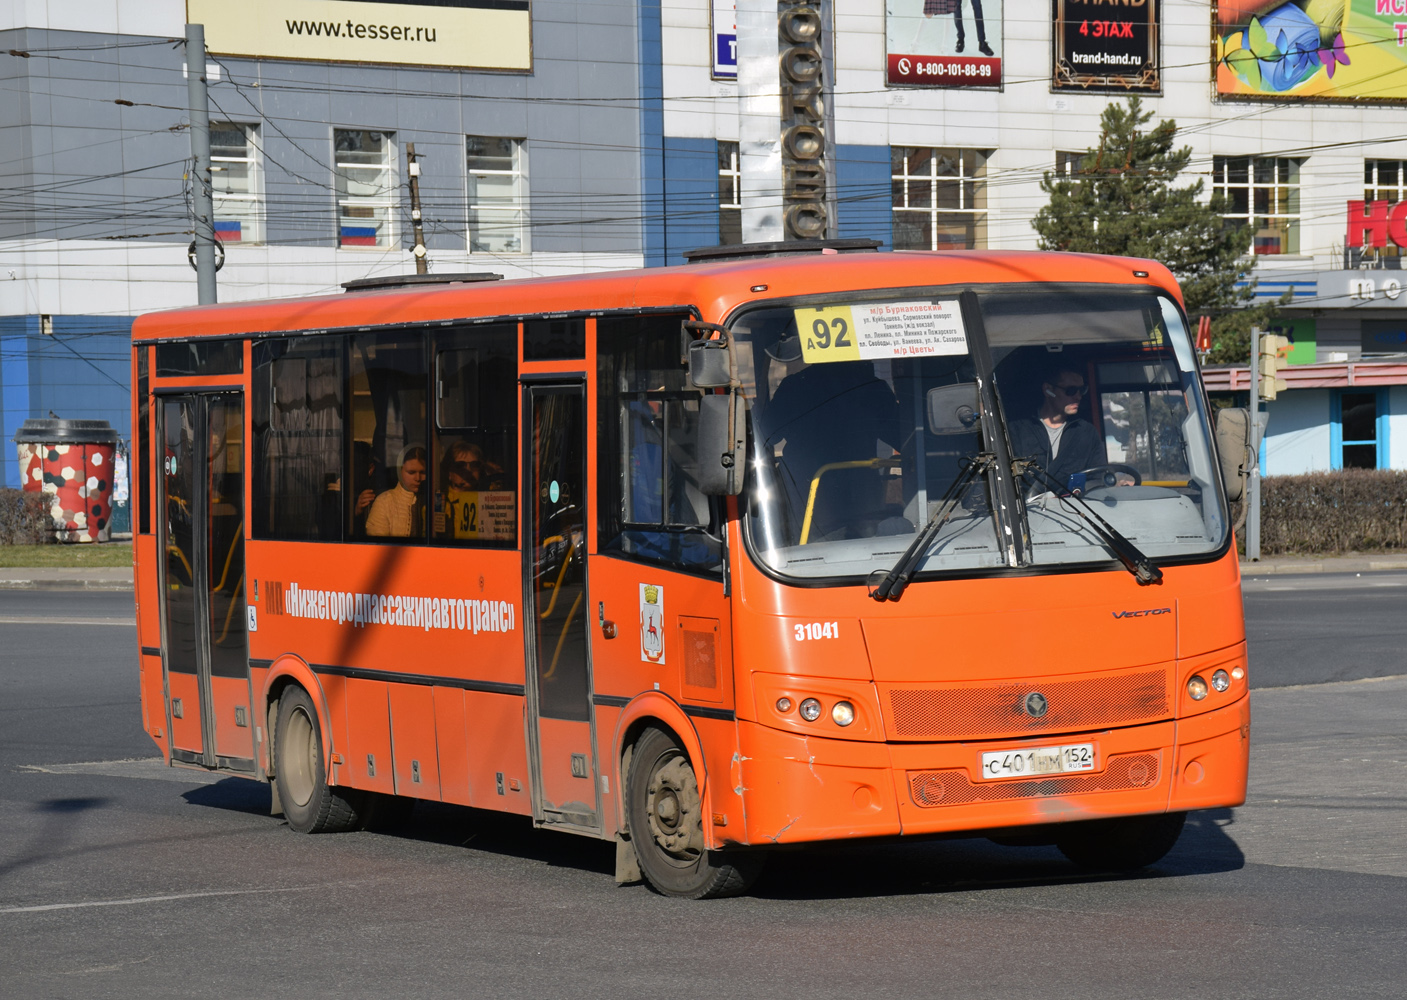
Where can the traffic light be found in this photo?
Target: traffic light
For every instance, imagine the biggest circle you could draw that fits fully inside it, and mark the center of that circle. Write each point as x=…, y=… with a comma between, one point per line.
x=1273, y=351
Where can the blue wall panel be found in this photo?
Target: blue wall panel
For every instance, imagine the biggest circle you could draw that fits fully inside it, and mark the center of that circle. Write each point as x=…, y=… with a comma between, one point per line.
x=652, y=133
x=863, y=201
x=81, y=372
x=690, y=196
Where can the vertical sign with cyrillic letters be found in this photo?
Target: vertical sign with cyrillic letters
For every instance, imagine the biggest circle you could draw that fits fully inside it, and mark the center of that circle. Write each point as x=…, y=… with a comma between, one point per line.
x=804, y=213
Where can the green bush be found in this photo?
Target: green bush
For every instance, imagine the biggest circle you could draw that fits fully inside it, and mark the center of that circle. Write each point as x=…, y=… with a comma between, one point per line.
x=24, y=518
x=1353, y=510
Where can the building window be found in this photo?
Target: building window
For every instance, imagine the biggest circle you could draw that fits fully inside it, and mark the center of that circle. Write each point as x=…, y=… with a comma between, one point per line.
x=1358, y=430
x=940, y=198
x=1068, y=164
x=366, y=187
x=497, y=195
x=1261, y=192
x=730, y=194
x=236, y=183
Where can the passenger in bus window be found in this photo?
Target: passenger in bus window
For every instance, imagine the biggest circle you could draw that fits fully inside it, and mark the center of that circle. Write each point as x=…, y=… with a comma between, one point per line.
x=366, y=474
x=827, y=413
x=394, y=514
x=1057, y=437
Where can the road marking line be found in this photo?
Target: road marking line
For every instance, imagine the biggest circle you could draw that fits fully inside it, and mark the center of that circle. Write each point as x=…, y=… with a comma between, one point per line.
x=148, y=899
x=1319, y=685
x=140, y=768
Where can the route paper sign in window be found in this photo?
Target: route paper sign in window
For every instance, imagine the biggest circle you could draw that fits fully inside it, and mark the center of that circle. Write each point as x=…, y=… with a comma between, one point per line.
x=867, y=330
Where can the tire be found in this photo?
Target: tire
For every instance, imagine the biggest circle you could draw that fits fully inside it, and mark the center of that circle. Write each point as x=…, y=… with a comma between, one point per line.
x=1120, y=845
x=666, y=826
x=309, y=803
x=384, y=813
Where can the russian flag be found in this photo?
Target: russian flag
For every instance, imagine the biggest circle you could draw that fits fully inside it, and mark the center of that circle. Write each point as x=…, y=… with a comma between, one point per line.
x=359, y=236
x=1267, y=241
x=228, y=232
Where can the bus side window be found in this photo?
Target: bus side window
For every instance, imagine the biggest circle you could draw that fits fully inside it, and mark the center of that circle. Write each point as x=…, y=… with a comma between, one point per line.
x=297, y=447
x=390, y=471
x=473, y=498
x=650, y=507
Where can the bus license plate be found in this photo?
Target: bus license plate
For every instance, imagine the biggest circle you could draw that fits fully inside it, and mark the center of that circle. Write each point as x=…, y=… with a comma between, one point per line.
x=1038, y=760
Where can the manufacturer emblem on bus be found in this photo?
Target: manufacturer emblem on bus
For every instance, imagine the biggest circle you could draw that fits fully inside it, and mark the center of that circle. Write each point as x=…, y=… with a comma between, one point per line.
x=1036, y=705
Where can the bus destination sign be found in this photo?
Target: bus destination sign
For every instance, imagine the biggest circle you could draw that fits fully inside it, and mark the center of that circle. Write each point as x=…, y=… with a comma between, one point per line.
x=866, y=330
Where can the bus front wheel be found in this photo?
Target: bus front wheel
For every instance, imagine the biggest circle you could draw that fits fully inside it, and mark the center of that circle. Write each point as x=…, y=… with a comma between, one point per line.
x=1120, y=845
x=309, y=803
x=666, y=826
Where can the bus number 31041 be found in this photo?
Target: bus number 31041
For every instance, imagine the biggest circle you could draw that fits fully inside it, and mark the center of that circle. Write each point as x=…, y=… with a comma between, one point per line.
x=817, y=630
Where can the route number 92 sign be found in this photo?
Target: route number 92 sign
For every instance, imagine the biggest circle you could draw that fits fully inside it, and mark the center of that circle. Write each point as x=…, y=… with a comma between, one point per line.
x=865, y=330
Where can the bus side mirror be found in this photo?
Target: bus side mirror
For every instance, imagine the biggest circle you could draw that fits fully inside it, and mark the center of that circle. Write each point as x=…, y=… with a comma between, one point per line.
x=954, y=409
x=709, y=364
x=722, y=444
x=1233, y=444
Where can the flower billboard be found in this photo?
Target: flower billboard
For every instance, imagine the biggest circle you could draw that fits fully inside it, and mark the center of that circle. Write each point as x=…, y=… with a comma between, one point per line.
x=1316, y=49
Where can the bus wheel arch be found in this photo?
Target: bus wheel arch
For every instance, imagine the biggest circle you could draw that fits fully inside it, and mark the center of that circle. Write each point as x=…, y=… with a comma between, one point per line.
x=653, y=710
x=666, y=809
x=291, y=670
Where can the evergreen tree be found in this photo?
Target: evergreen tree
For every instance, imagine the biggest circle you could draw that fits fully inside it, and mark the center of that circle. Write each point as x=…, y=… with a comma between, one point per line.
x=1121, y=199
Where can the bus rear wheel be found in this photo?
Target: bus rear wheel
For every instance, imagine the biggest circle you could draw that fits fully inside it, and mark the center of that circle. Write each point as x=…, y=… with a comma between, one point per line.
x=1124, y=844
x=309, y=803
x=666, y=826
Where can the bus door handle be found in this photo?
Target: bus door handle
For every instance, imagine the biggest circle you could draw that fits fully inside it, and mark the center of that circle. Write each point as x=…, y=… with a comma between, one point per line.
x=608, y=628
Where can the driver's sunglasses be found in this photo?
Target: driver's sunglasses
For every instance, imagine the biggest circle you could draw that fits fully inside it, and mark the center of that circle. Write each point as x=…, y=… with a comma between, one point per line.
x=1073, y=390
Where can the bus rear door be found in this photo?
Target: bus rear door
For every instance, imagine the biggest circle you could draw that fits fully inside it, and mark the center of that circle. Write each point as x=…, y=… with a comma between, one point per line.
x=203, y=619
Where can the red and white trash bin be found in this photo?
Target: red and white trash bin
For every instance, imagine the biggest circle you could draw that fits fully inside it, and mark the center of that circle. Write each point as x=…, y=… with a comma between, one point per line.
x=72, y=463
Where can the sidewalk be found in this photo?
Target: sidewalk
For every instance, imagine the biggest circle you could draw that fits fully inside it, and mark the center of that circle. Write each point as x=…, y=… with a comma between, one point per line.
x=55, y=578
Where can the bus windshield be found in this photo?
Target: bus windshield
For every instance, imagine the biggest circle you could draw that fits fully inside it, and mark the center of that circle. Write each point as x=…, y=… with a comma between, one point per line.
x=864, y=413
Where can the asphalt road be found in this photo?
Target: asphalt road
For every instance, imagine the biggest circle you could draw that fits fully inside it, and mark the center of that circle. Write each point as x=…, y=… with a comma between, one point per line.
x=119, y=878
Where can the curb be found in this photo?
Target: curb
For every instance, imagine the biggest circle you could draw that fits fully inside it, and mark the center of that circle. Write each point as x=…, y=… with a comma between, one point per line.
x=54, y=578
x=69, y=584
x=1281, y=567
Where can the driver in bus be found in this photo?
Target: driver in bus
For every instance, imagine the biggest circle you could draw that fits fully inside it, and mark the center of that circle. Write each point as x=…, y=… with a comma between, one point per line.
x=1057, y=437
x=825, y=413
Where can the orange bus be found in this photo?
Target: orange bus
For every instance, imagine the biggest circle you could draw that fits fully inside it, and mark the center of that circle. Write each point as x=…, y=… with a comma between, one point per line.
x=785, y=545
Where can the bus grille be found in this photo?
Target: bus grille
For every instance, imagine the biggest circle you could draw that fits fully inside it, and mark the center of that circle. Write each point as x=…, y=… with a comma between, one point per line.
x=953, y=788
x=998, y=709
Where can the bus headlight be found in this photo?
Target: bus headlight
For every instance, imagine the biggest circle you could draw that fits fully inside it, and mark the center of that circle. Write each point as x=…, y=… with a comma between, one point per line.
x=1196, y=688
x=810, y=709
x=843, y=713
x=784, y=705
x=1221, y=680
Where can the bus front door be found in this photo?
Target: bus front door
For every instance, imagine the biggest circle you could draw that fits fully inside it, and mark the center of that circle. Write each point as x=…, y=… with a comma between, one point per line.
x=203, y=619
x=560, y=718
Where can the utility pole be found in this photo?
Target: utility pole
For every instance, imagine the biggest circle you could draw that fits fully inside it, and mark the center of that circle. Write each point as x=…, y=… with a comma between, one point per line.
x=201, y=183
x=413, y=169
x=1253, y=482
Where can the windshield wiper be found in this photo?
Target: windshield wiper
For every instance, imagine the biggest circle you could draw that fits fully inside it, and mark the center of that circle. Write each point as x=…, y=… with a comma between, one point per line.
x=1143, y=568
x=891, y=587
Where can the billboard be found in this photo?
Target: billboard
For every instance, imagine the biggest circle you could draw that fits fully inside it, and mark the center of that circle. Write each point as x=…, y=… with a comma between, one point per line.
x=1312, y=49
x=1104, y=48
x=723, y=21
x=468, y=34
x=943, y=43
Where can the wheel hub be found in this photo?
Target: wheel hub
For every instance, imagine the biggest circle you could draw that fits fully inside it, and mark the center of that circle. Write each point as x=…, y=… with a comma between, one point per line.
x=674, y=808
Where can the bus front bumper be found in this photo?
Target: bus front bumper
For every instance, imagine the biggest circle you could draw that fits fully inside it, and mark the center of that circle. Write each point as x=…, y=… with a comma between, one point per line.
x=798, y=789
